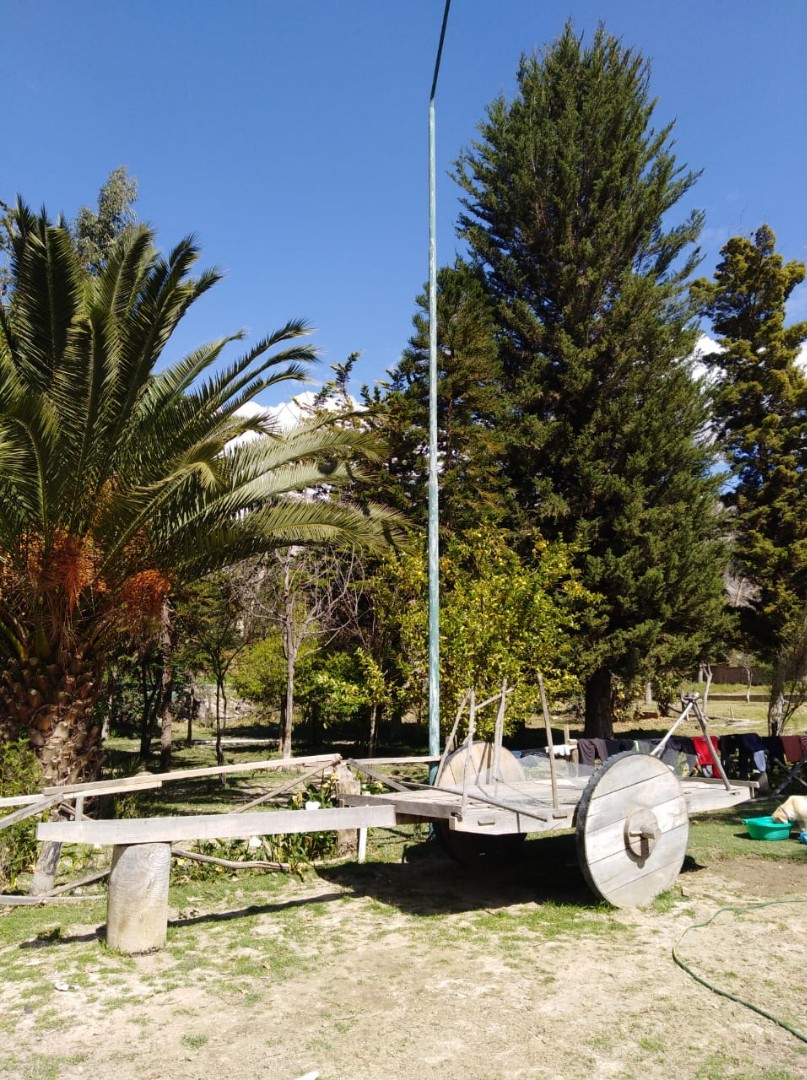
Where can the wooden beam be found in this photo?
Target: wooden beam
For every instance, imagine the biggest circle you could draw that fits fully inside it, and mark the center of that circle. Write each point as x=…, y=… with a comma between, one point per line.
x=29, y=811
x=424, y=760
x=157, y=779
x=20, y=800
x=36, y=901
x=215, y=826
x=377, y=776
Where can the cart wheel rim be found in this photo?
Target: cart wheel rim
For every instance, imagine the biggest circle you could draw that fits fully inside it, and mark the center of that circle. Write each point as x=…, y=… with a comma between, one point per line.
x=632, y=830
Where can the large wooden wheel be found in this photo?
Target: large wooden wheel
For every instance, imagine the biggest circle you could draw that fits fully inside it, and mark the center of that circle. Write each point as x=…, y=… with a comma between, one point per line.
x=632, y=829
x=473, y=765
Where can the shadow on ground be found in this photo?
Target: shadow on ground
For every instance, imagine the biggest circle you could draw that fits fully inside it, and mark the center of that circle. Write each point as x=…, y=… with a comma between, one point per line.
x=430, y=882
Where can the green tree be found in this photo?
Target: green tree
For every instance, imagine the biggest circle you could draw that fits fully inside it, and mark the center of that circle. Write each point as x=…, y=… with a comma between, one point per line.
x=119, y=484
x=469, y=409
x=259, y=672
x=214, y=621
x=502, y=616
x=95, y=231
x=508, y=617
x=568, y=200
x=760, y=397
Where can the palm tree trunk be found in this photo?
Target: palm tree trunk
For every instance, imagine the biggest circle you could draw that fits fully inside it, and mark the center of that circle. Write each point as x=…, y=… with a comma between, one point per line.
x=54, y=703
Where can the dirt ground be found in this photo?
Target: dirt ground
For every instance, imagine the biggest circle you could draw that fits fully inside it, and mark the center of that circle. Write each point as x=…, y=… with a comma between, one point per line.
x=406, y=971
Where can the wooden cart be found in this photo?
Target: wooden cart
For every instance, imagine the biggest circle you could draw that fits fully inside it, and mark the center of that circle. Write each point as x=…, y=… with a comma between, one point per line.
x=631, y=818
x=631, y=815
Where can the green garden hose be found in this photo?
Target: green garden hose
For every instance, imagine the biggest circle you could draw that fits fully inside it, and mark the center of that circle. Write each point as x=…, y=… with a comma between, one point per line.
x=725, y=993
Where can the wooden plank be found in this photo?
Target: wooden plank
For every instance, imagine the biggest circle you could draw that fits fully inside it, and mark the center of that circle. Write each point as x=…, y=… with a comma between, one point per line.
x=190, y=774
x=651, y=796
x=609, y=840
x=29, y=811
x=414, y=806
x=35, y=901
x=713, y=781
x=632, y=770
x=377, y=776
x=506, y=823
x=397, y=760
x=644, y=885
x=701, y=802
x=214, y=826
x=436, y=804
x=141, y=782
x=110, y=787
x=20, y=800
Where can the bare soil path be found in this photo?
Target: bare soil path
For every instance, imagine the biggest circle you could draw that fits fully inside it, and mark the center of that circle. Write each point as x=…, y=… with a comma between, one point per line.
x=407, y=971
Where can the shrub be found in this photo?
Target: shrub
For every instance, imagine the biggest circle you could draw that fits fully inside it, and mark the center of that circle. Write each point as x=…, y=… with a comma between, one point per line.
x=20, y=774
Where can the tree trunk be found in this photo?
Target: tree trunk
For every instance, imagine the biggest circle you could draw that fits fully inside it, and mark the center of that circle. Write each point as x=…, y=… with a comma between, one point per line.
x=776, y=711
x=167, y=640
x=219, y=751
x=286, y=720
x=599, y=718
x=373, y=732
x=146, y=716
x=53, y=703
x=46, y=867
x=193, y=710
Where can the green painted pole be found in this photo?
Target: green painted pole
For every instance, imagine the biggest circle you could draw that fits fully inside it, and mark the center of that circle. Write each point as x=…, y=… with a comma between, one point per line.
x=434, y=540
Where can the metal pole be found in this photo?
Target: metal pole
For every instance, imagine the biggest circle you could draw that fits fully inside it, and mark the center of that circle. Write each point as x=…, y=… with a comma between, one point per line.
x=434, y=552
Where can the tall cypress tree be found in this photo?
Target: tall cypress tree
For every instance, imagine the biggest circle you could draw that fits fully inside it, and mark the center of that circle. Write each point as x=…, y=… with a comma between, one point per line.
x=761, y=419
x=469, y=405
x=567, y=197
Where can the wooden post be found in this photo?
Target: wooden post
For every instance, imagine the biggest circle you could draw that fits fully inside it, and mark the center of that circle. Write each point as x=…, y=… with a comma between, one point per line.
x=550, y=746
x=469, y=741
x=450, y=740
x=137, y=908
x=347, y=783
x=498, y=735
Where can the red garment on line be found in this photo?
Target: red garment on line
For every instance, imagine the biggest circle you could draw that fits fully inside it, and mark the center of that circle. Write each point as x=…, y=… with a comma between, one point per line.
x=702, y=749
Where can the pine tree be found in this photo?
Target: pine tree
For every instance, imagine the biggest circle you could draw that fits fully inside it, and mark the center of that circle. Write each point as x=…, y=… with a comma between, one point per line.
x=761, y=418
x=95, y=232
x=567, y=196
x=470, y=446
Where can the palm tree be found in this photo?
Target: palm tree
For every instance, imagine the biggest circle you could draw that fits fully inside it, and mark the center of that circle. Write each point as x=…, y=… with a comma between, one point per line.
x=120, y=483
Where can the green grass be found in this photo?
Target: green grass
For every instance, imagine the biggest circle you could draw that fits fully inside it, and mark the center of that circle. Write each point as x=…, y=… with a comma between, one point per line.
x=194, y=1042
x=723, y=1066
x=722, y=835
x=39, y=1066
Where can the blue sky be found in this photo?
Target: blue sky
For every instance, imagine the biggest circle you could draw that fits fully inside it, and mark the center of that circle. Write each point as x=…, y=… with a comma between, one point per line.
x=292, y=137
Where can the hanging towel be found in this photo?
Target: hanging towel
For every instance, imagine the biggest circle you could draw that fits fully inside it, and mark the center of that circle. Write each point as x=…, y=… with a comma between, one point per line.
x=587, y=751
x=791, y=744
